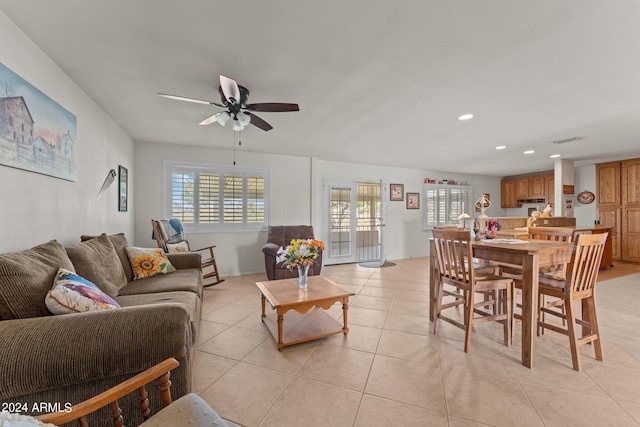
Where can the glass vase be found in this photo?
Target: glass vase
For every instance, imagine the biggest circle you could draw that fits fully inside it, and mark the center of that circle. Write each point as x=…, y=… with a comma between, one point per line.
x=303, y=276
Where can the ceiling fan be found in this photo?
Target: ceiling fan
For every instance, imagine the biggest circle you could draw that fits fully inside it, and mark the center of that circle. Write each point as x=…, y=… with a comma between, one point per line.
x=234, y=99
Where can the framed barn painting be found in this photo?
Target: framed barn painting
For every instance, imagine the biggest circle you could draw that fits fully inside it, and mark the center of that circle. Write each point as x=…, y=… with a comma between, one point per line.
x=36, y=133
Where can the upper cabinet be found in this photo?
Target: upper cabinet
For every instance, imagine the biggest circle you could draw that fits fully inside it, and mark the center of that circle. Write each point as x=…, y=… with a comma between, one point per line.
x=508, y=197
x=549, y=183
x=536, y=189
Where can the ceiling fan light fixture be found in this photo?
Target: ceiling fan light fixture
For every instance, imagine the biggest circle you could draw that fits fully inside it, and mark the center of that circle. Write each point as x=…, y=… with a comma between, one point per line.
x=243, y=118
x=237, y=126
x=223, y=117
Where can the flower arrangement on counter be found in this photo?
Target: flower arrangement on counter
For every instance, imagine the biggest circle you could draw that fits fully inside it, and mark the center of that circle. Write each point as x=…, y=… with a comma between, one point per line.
x=300, y=252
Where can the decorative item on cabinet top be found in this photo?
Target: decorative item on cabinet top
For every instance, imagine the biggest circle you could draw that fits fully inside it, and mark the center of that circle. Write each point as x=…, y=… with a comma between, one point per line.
x=445, y=181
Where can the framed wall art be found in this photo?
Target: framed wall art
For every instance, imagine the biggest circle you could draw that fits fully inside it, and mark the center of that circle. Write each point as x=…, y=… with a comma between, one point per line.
x=396, y=192
x=123, y=189
x=413, y=200
x=36, y=133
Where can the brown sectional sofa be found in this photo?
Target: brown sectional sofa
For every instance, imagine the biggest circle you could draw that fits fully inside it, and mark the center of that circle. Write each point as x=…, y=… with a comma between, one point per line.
x=69, y=358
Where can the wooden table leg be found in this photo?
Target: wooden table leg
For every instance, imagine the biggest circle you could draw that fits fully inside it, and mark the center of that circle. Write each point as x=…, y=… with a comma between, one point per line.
x=280, y=322
x=263, y=306
x=433, y=272
x=345, y=310
x=530, y=268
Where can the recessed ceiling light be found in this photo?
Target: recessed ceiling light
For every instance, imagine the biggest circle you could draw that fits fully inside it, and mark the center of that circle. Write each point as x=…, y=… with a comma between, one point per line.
x=553, y=156
x=529, y=152
x=501, y=147
x=465, y=117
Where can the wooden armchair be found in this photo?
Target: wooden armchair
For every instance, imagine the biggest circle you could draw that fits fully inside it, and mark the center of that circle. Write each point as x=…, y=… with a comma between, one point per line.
x=190, y=409
x=169, y=236
x=161, y=371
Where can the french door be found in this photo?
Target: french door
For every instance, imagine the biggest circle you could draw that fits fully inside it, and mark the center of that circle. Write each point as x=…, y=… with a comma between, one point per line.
x=353, y=222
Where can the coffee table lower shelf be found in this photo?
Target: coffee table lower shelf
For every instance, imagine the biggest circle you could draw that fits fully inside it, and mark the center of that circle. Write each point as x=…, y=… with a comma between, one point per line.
x=298, y=328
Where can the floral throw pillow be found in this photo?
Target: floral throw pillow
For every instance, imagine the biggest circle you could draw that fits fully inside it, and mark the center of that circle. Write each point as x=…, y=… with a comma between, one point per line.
x=148, y=262
x=72, y=293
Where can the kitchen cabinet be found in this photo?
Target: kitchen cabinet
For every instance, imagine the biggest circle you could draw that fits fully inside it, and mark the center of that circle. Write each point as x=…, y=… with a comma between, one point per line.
x=618, y=198
x=508, y=197
x=537, y=188
x=522, y=188
x=549, y=182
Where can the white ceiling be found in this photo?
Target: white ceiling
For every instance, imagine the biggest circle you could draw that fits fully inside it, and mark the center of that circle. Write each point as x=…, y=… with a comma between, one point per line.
x=378, y=82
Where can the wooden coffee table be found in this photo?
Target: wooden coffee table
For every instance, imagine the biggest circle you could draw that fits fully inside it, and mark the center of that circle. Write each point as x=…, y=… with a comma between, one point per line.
x=304, y=312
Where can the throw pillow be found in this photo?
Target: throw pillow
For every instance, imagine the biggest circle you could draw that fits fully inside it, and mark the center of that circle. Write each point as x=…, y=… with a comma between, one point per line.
x=26, y=277
x=97, y=261
x=148, y=262
x=119, y=242
x=178, y=247
x=72, y=293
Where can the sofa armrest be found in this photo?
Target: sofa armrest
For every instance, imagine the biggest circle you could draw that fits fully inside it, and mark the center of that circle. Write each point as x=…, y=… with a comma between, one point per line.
x=271, y=249
x=183, y=260
x=47, y=353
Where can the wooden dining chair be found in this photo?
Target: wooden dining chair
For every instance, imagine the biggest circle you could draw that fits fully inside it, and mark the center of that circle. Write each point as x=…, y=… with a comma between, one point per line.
x=454, y=254
x=578, y=285
x=555, y=234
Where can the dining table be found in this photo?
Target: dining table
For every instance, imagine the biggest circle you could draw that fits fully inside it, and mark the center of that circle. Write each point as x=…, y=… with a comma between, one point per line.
x=530, y=255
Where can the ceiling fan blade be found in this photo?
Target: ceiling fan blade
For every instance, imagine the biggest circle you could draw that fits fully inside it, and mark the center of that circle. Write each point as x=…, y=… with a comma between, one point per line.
x=184, y=98
x=230, y=89
x=273, y=107
x=258, y=122
x=209, y=120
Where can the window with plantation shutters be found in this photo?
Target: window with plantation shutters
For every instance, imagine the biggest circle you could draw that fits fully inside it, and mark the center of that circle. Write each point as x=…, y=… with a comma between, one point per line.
x=444, y=203
x=216, y=198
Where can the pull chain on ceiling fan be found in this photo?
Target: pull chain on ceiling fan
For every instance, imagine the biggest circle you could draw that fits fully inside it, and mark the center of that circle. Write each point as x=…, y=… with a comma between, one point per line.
x=234, y=99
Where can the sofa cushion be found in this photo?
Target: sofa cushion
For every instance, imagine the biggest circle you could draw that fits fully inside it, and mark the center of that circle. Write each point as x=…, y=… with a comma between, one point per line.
x=180, y=280
x=190, y=300
x=72, y=293
x=119, y=242
x=148, y=262
x=97, y=261
x=26, y=277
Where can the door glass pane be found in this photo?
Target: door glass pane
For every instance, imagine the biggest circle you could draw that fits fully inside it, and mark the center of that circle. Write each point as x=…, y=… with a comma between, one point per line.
x=368, y=222
x=340, y=220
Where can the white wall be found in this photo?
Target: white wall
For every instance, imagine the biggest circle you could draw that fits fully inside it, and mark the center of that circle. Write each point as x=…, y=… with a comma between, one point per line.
x=405, y=236
x=585, y=180
x=36, y=208
x=296, y=197
x=237, y=252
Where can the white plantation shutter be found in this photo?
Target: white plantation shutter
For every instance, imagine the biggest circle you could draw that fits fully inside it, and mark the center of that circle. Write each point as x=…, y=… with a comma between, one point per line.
x=444, y=203
x=233, y=198
x=255, y=199
x=212, y=197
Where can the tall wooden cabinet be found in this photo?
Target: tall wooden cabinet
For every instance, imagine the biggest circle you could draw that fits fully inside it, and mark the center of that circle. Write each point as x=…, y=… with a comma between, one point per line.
x=631, y=210
x=618, y=197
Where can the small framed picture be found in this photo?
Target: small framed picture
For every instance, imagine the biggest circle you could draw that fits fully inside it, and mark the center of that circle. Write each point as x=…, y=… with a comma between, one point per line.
x=123, y=191
x=413, y=200
x=396, y=192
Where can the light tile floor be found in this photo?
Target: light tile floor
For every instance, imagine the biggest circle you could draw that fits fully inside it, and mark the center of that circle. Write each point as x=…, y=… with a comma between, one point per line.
x=390, y=370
